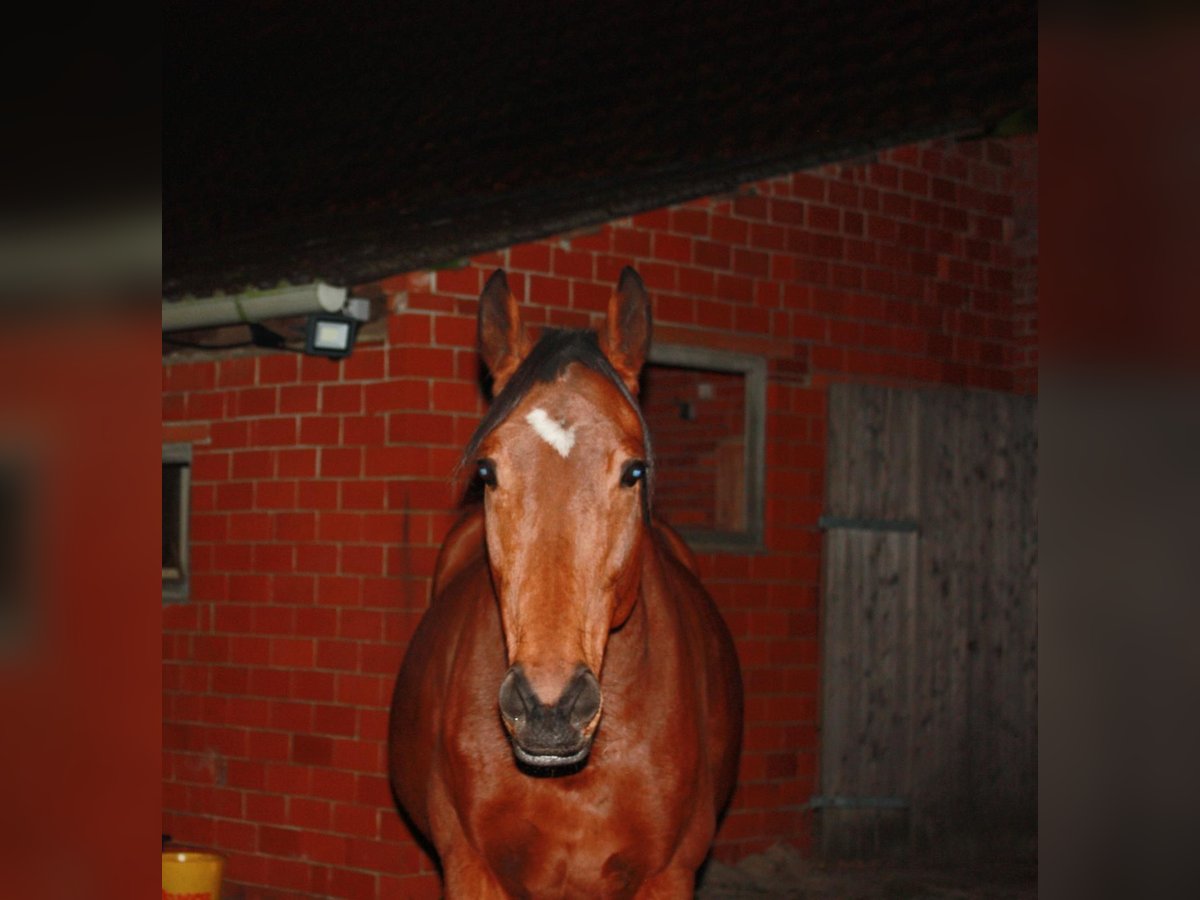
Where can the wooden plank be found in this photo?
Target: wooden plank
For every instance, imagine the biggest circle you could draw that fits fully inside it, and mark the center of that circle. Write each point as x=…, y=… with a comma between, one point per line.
x=975, y=754
x=871, y=585
x=872, y=453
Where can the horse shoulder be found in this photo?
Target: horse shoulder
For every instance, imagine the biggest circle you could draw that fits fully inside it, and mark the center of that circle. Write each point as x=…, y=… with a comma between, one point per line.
x=716, y=657
x=425, y=686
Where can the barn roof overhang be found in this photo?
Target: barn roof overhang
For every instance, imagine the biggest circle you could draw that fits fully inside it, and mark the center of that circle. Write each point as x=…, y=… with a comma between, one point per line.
x=361, y=142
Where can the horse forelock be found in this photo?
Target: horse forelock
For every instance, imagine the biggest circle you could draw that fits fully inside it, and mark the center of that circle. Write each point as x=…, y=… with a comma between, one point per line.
x=549, y=358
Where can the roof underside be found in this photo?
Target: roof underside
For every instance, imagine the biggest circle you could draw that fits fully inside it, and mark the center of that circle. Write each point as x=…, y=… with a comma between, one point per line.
x=357, y=141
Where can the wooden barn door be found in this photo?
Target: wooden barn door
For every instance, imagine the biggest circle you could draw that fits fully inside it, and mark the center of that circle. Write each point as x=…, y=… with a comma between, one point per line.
x=929, y=682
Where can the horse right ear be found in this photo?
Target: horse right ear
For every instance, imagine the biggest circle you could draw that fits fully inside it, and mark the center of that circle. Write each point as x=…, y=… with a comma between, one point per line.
x=503, y=342
x=625, y=339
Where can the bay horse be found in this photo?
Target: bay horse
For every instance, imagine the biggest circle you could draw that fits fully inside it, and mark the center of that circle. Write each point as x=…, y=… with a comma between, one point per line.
x=567, y=720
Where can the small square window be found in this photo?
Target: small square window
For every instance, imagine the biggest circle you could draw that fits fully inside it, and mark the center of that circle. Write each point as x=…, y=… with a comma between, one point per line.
x=176, y=489
x=705, y=410
x=17, y=551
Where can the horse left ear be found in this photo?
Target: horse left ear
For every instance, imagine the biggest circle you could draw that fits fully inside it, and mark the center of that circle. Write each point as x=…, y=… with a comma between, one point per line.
x=503, y=341
x=626, y=336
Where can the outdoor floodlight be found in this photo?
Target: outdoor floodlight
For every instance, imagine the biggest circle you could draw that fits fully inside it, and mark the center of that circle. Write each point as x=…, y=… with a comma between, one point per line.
x=330, y=335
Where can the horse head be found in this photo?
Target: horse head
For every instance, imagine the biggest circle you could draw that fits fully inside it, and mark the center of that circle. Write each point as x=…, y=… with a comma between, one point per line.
x=565, y=461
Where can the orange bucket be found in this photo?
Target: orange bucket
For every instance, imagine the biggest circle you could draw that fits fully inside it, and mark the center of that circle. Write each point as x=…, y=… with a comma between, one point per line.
x=191, y=875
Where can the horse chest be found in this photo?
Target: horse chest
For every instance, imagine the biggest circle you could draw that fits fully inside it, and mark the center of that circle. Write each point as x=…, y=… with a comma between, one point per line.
x=598, y=833
x=551, y=849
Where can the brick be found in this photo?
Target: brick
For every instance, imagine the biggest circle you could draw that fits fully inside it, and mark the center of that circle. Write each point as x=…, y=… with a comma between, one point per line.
x=363, y=495
x=364, y=364
x=278, y=841
x=250, y=526
x=227, y=435
x=235, y=495
x=206, y=405
x=315, y=622
x=275, y=494
x=320, y=430
x=300, y=463
x=341, y=462
x=590, y=297
x=410, y=329
x=631, y=243
x=751, y=262
x=467, y=280
x=278, y=369
x=546, y=291
x=768, y=237
x=364, y=430
x=786, y=212
x=174, y=406
x=454, y=396
x=714, y=314
x=402, y=393
x=420, y=427
x=571, y=263
x=253, y=464
x=429, y=362
x=735, y=288
x=312, y=750
x=317, y=495
x=884, y=175
x=236, y=372
x=333, y=720
x=529, y=258
x=273, y=432
x=268, y=620
x=341, y=398
x=362, y=560
x=253, y=402
x=395, y=460
x=299, y=398
x=808, y=186
x=182, y=376
x=672, y=247
x=333, y=654
x=750, y=319
x=316, y=558
x=596, y=239
x=712, y=255
x=455, y=331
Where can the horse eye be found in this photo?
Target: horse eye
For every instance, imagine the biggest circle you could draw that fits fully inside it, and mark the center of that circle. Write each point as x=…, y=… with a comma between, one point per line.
x=485, y=470
x=634, y=471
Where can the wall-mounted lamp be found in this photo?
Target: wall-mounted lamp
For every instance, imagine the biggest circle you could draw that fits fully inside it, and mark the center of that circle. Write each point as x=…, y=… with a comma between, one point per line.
x=330, y=329
x=331, y=335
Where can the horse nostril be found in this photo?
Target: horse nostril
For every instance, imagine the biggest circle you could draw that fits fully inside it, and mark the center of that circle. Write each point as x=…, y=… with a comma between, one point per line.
x=516, y=695
x=584, y=698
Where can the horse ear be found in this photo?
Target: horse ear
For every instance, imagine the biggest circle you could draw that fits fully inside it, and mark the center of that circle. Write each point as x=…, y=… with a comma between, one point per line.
x=626, y=336
x=503, y=341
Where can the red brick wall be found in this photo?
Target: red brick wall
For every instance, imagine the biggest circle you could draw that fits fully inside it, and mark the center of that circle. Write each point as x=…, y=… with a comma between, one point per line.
x=321, y=490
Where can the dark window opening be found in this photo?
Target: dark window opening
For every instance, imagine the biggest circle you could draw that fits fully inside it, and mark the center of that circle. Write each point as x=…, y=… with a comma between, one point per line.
x=176, y=481
x=16, y=553
x=705, y=413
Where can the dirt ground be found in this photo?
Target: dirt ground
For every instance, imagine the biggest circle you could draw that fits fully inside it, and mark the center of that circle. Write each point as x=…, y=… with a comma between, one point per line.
x=782, y=874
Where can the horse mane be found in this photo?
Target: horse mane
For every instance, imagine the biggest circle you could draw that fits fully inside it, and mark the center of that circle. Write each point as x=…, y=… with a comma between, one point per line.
x=556, y=349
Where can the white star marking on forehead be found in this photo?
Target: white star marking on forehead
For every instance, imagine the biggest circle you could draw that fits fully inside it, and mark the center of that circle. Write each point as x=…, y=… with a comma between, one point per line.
x=561, y=439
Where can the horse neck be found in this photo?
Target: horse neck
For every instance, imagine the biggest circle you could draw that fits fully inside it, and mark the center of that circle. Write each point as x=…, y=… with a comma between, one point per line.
x=639, y=643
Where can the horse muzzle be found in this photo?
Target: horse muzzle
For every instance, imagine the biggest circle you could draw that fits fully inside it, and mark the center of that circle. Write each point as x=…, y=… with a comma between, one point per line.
x=550, y=736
